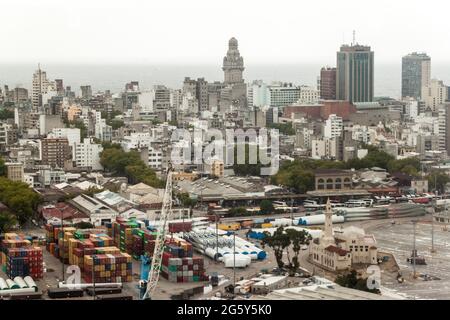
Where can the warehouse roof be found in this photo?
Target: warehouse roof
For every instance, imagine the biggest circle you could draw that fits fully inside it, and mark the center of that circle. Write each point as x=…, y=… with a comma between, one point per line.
x=322, y=292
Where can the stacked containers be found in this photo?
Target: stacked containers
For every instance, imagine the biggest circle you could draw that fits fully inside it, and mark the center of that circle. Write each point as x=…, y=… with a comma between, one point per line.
x=122, y=233
x=176, y=227
x=22, y=262
x=149, y=242
x=179, y=264
x=138, y=243
x=108, y=268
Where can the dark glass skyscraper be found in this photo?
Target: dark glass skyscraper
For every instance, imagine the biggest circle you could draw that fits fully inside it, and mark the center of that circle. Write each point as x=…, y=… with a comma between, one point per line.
x=354, y=73
x=416, y=70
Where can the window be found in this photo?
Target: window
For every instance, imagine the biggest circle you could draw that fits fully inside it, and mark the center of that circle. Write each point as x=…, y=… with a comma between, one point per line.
x=330, y=184
x=321, y=184
x=338, y=183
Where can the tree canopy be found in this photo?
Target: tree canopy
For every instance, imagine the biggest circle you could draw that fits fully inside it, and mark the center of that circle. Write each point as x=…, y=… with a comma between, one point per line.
x=437, y=181
x=351, y=280
x=129, y=164
x=285, y=242
x=19, y=198
x=2, y=167
x=266, y=207
x=298, y=175
x=6, y=114
x=284, y=128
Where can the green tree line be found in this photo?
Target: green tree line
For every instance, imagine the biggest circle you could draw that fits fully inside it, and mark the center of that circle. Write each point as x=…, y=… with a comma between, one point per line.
x=21, y=200
x=129, y=164
x=299, y=174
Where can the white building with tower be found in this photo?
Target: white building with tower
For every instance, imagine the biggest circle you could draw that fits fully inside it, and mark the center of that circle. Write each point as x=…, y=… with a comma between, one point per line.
x=339, y=249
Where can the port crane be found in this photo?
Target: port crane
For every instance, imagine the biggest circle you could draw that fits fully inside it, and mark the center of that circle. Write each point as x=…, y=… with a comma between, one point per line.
x=166, y=212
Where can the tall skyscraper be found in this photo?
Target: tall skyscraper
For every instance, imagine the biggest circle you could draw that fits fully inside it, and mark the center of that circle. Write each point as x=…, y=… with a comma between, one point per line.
x=86, y=92
x=198, y=89
x=233, y=64
x=355, y=73
x=40, y=86
x=234, y=95
x=416, y=73
x=328, y=83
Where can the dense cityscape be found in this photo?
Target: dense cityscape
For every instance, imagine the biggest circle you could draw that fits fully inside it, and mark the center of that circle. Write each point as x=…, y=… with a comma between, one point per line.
x=322, y=192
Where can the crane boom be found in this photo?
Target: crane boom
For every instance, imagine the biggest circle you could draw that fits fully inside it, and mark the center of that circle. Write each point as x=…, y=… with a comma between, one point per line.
x=166, y=212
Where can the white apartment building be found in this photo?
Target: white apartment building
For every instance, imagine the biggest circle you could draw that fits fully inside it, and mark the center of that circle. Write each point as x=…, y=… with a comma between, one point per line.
x=326, y=148
x=411, y=107
x=87, y=154
x=71, y=134
x=333, y=126
x=361, y=133
x=308, y=95
x=257, y=94
x=443, y=127
x=434, y=94
x=136, y=140
x=282, y=94
x=103, y=131
x=155, y=158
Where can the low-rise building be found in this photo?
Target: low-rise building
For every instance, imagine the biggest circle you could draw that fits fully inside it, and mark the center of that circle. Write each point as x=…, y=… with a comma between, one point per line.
x=98, y=212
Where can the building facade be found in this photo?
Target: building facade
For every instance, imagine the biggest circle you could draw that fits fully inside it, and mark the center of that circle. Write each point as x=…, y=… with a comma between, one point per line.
x=87, y=154
x=40, y=86
x=55, y=152
x=434, y=94
x=328, y=83
x=416, y=73
x=355, y=73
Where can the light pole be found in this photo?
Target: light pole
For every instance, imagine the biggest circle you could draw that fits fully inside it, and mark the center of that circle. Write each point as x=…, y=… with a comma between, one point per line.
x=234, y=263
x=217, y=236
x=433, y=250
x=414, y=253
x=62, y=247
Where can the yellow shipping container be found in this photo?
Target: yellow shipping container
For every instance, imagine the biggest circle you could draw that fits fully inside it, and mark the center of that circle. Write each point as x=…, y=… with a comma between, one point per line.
x=229, y=226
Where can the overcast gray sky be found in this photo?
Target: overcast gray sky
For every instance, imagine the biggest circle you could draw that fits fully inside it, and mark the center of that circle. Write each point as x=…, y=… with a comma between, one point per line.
x=197, y=31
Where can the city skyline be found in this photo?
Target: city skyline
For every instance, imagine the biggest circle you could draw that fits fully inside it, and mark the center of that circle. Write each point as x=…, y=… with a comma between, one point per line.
x=156, y=33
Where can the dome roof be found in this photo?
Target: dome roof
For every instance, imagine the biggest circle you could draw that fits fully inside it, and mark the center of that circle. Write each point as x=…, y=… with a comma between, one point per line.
x=233, y=42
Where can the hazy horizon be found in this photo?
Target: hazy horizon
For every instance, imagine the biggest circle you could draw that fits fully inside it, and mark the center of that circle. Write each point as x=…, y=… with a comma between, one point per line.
x=114, y=76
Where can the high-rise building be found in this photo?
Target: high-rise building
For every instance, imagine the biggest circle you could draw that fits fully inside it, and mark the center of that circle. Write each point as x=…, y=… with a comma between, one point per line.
x=333, y=127
x=55, y=152
x=257, y=94
x=328, y=83
x=233, y=64
x=87, y=154
x=40, y=85
x=416, y=73
x=233, y=67
x=198, y=89
x=59, y=86
x=161, y=101
x=444, y=128
x=355, y=73
x=434, y=94
x=86, y=92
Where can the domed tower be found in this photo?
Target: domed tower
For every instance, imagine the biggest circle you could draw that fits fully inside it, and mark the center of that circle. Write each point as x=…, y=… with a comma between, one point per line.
x=233, y=64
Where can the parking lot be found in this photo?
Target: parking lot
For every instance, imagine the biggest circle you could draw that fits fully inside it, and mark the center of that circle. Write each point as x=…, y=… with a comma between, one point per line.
x=398, y=239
